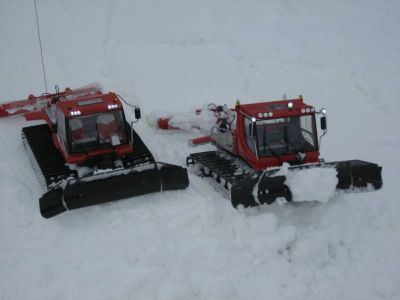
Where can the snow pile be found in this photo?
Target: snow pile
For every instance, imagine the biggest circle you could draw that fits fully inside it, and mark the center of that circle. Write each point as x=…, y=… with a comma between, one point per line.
x=204, y=119
x=313, y=184
x=153, y=116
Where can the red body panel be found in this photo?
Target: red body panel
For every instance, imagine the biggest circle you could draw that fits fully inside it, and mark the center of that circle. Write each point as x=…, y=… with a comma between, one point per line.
x=87, y=106
x=241, y=148
x=278, y=108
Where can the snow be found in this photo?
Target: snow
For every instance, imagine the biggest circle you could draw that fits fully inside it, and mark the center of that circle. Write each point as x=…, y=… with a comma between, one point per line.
x=185, y=120
x=313, y=184
x=177, y=55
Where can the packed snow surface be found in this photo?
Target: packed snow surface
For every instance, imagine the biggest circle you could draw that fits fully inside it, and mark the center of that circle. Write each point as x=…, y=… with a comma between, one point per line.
x=175, y=56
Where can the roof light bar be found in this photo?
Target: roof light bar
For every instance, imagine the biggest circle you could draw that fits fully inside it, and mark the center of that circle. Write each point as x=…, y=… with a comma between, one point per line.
x=75, y=113
x=263, y=115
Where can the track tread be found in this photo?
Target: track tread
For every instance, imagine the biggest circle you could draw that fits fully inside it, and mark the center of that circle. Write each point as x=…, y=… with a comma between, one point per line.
x=50, y=161
x=52, y=164
x=350, y=174
x=224, y=167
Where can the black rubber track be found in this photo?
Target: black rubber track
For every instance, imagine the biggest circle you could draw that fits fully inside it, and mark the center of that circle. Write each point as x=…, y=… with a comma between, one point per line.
x=141, y=175
x=225, y=167
x=50, y=161
x=52, y=164
x=141, y=154
x=242, y=181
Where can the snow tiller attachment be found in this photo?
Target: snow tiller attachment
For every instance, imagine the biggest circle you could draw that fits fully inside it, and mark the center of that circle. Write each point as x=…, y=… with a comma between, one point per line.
x=88, y=153
x=270, y=151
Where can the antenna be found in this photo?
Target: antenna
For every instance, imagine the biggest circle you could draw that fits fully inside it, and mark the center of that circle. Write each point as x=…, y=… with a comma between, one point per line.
x=40, y=45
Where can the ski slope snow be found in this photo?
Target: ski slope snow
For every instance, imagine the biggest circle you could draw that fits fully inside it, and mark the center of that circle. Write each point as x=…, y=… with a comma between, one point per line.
x=177, y=55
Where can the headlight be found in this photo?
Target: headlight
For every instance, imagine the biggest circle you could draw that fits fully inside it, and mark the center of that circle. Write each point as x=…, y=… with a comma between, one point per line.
x=112, y=106
x=75, y=113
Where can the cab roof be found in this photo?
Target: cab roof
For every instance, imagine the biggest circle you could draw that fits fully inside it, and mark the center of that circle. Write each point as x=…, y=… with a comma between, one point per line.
x=89, y=104
x=276, y=109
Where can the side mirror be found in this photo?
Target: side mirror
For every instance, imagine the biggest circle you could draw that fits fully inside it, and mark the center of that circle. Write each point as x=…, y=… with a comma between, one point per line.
x=138, y=114
x=323, y=123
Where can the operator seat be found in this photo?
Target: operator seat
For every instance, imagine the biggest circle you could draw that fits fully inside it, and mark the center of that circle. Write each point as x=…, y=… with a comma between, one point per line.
x=294, y=136
x=77, y=132
x=108, y=129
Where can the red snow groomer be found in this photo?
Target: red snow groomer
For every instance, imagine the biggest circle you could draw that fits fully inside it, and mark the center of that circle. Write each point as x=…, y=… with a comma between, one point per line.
x=253, y=142
x=88, y=153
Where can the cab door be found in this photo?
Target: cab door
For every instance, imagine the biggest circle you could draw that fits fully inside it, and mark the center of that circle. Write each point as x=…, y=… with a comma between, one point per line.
x=61, y=135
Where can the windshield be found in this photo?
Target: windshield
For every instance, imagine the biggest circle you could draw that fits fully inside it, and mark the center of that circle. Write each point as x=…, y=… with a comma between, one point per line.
x=97, y=131
x=286, y=135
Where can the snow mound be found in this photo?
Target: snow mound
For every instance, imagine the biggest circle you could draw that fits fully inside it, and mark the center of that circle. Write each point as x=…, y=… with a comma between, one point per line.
x=205, y=120
x=187, y=121
x=313, y=184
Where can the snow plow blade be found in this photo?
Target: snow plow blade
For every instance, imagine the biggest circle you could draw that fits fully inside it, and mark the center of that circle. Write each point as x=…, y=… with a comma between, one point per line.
x=78, y=193
x=38, y=103
x=266, y=188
